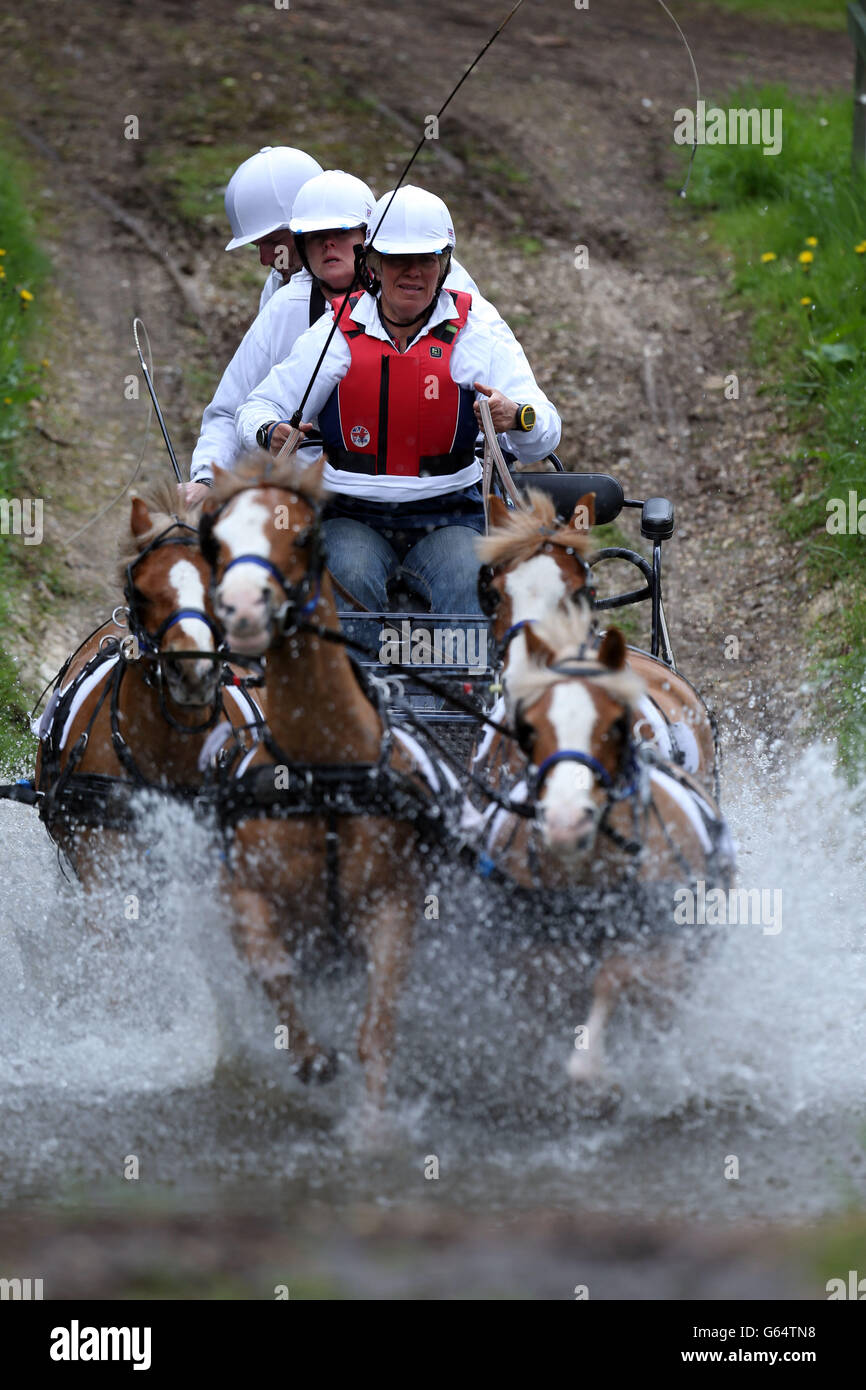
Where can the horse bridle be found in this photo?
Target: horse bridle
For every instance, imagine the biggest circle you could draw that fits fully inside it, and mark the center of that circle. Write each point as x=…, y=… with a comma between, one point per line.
x=301, y=599
x=148, y=643
x=628, y=778
x=489, y=597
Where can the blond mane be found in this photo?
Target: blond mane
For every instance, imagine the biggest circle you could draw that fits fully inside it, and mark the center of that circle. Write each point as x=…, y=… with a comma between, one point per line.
x=166, y=511
x=519, y=538
x=259, y=469
x=565, y=632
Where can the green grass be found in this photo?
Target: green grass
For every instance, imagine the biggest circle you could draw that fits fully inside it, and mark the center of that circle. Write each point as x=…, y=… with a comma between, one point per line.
x=23, y=271
x=821, y=14
x=813, y=354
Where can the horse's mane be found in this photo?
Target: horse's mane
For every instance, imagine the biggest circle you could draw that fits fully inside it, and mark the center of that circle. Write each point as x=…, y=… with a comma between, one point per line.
x=565, y=631
x=259, y=469
x=166, y=510
x=519, y=538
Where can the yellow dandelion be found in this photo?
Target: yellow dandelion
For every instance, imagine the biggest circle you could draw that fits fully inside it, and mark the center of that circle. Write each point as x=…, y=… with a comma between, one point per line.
x=806, y=299
x=45, y=362
x=805, y=258
x=25, y=295
x=768, y=256
x=2, y=252
x=860, y=248
x=2, y=273
x=811, y=241
x=7, y=400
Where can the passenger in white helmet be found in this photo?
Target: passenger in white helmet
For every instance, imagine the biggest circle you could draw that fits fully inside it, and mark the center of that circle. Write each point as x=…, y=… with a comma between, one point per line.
x=330, y=213
x=259, y=199
x=328, y=216
x=395, y=400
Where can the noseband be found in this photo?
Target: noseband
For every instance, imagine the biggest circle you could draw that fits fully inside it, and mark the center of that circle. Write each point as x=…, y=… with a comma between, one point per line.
x=629, y=773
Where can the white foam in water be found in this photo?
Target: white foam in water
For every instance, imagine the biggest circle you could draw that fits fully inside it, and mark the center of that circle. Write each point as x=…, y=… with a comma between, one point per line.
x=99, y=1000
x=775, y=1017
x=762, y=1055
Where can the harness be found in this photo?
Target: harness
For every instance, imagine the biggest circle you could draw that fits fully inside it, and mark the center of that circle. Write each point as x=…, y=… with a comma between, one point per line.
x=631, y=782
x=328, y=791
x=401, y=413
x=97, y=800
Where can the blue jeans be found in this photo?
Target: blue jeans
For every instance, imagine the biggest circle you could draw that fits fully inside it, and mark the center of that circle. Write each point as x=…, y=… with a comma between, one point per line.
x=441, y=566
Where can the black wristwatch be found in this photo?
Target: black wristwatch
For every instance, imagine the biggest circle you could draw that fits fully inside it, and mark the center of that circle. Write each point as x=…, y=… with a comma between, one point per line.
x=525, y=418
x=263, y=432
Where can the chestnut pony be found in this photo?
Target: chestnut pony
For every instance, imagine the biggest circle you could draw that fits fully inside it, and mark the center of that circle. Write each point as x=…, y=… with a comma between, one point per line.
x=132, y=707
x=609, y=812
x=331, y=812
x=533, y=564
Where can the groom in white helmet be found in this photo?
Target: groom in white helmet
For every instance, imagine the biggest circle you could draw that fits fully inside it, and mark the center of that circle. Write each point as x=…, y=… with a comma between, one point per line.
x=259, y=199
x=395, y=400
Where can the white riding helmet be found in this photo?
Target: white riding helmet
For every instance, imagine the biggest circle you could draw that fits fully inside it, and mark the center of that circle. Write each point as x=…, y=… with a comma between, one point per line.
x=416, y=222
x=261, y=191
x=329, y=200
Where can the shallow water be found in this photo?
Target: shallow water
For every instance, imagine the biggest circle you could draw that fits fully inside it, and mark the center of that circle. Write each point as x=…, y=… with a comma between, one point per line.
x=144, y=1036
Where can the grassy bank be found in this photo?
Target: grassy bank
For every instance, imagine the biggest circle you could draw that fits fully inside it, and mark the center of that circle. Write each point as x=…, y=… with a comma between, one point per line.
x=794, y=226
x=821, y=14
x=23, y=271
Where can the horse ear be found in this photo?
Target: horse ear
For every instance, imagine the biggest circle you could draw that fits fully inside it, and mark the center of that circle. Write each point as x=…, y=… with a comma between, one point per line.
x=611, y=653
x=497, y=511
x=583, y=515
x=139, y=520
x=538, y=649
x=312, y=477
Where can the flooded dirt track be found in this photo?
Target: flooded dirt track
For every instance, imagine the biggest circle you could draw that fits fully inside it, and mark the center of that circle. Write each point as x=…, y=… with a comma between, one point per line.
x=143, y=1037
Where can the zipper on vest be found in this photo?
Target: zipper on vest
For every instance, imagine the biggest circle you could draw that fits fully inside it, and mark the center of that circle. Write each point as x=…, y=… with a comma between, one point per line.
x=382, y=451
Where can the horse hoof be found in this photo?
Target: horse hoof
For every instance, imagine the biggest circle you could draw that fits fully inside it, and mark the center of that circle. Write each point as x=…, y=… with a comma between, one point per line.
x=317, y=1067
x=598, y=1096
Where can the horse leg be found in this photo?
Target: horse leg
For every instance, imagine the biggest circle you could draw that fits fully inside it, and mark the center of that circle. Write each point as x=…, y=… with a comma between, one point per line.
x=257, y=927
x=388, y=956
x=589, y=1067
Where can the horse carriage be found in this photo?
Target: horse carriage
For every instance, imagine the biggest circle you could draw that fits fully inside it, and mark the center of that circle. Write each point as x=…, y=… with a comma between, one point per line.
x=525, y=745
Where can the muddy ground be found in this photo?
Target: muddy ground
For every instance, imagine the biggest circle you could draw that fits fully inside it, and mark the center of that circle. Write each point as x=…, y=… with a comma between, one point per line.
x=560, y=138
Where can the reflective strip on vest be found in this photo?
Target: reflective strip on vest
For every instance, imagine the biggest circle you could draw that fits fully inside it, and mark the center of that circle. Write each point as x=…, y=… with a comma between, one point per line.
x=393, y=410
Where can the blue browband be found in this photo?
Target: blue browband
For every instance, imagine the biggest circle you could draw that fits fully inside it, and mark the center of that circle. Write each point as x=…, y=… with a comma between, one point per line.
x=601, y=774
x=179, y=616
x=257, y=560
x=563, y=755
x=291, y=594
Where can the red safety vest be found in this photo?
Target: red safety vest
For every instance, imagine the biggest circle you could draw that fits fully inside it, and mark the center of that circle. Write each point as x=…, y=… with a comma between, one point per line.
x=401, y=413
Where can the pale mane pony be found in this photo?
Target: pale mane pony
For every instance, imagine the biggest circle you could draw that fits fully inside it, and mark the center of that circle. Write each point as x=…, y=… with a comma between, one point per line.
x=565, y=632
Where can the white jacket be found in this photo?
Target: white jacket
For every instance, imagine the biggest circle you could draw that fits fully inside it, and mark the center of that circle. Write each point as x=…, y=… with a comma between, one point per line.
x=479, y=354
x=273, y=283
x=270, y=339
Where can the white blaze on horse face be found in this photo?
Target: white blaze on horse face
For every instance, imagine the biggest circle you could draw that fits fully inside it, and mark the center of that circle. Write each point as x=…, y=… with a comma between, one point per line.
x=535, y=589
x=244, y=531
x=568, y=807
x=189, y=587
